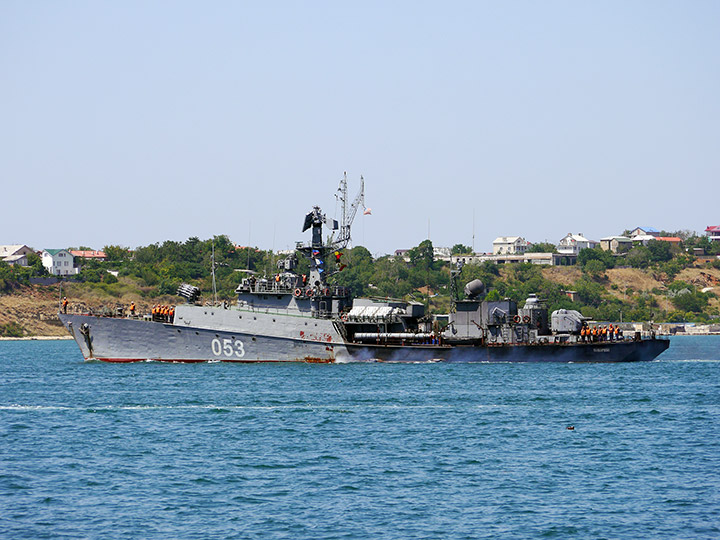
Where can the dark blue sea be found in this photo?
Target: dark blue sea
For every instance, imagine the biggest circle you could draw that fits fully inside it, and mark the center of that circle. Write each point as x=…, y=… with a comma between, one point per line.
x=359, y=451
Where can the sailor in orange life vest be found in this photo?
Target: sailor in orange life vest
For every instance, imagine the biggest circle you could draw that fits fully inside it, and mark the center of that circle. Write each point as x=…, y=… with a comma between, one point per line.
x=64, y=304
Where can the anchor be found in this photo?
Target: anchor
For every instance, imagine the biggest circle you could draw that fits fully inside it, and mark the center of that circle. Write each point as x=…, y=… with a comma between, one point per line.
x=85, y=331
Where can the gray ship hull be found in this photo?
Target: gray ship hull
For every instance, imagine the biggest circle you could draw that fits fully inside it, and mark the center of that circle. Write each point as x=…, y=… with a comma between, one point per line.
x=132, y=340
x=301, y=339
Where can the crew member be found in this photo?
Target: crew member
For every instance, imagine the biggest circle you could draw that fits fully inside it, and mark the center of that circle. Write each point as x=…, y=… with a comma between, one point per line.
x=132, y=309
x=64, y=304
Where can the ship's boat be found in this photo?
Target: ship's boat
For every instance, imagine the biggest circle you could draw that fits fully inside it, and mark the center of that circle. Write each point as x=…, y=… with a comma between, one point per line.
x=291, y=317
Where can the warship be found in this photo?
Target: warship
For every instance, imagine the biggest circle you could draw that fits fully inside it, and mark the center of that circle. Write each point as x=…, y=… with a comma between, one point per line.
x=291, y=317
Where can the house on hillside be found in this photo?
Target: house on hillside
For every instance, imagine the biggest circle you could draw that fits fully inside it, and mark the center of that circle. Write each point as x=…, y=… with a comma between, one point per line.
x=713, y=233
x=571, y=244
x=643, y=239
x=439, y=254
x=549, y=259
x=616, y=244
x=15, y=254
x=510, y=245
x=644, y=231
x=59, y=262
x=89, y=254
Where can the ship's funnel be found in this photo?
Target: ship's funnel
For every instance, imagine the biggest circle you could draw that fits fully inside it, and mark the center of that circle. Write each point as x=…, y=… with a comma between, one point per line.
x=474, y=288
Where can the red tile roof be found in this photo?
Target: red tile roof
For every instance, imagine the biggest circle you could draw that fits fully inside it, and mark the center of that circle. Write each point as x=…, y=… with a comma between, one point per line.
x=89, y=254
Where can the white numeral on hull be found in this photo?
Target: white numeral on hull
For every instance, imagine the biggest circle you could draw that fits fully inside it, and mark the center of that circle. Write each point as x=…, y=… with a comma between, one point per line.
x=228, y=348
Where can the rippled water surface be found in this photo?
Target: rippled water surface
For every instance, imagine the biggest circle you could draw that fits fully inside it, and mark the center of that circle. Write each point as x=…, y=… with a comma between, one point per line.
x=359, y=451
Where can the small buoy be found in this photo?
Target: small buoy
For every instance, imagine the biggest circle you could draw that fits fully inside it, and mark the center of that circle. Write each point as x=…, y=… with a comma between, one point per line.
x=571, y=428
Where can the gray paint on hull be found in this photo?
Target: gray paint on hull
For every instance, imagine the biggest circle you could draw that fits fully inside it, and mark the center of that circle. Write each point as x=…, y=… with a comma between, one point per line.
x=136, y=340
x=308, y=339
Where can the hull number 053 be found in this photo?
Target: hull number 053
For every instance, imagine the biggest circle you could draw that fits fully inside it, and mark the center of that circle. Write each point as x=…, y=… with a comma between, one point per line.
x=228, y=347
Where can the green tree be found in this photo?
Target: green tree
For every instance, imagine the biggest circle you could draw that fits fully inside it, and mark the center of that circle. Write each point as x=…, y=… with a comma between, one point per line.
x=542, y=247
x=596, y=254
x=422, y=255
x=36, y=265
x=694, y=301
x=595, y=268
x=116, y=253
x=460, y=249
x=638, y=257
x=659, y=251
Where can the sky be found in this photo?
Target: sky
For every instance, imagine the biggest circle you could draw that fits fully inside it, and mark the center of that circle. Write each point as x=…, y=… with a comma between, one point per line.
x=135, y=122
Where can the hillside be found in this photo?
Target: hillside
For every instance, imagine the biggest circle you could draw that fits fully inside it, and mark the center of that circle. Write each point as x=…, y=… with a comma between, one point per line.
x=34, y=308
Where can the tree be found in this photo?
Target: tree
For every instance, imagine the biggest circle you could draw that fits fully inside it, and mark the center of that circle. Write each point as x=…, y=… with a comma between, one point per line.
x=116, y=253
x=542, y=247
x=35, y=263
x=422, y=255
x=638, y=257
x=459, y=249
x=596, y=254
x=594, y=268
x=659, y=251
x=690, y=301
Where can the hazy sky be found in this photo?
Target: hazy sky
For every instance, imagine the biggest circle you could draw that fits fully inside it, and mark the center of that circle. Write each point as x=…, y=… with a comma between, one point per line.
x=136, y=122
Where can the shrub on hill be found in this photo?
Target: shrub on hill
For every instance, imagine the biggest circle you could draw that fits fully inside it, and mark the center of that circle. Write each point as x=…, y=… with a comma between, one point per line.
x=11, y=329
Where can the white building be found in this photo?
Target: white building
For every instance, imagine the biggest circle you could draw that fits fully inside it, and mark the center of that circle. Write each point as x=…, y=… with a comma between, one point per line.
x=571, y=244
x=643, y=239
x=59, y=262
x=441, y=253
x=713, y=233
x=15, y=254
x=550, y=259
x=510, y=245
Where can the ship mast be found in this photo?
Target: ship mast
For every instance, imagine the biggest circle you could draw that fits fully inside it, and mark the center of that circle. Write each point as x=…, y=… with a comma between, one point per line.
x=316, y=252
x=348, y=215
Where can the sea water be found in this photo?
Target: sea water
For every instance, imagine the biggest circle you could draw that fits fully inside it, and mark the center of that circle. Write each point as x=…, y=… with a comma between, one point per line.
x=359, y=451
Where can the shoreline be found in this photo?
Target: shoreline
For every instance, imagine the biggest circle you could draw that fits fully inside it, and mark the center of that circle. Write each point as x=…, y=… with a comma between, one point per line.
x=36, y=338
